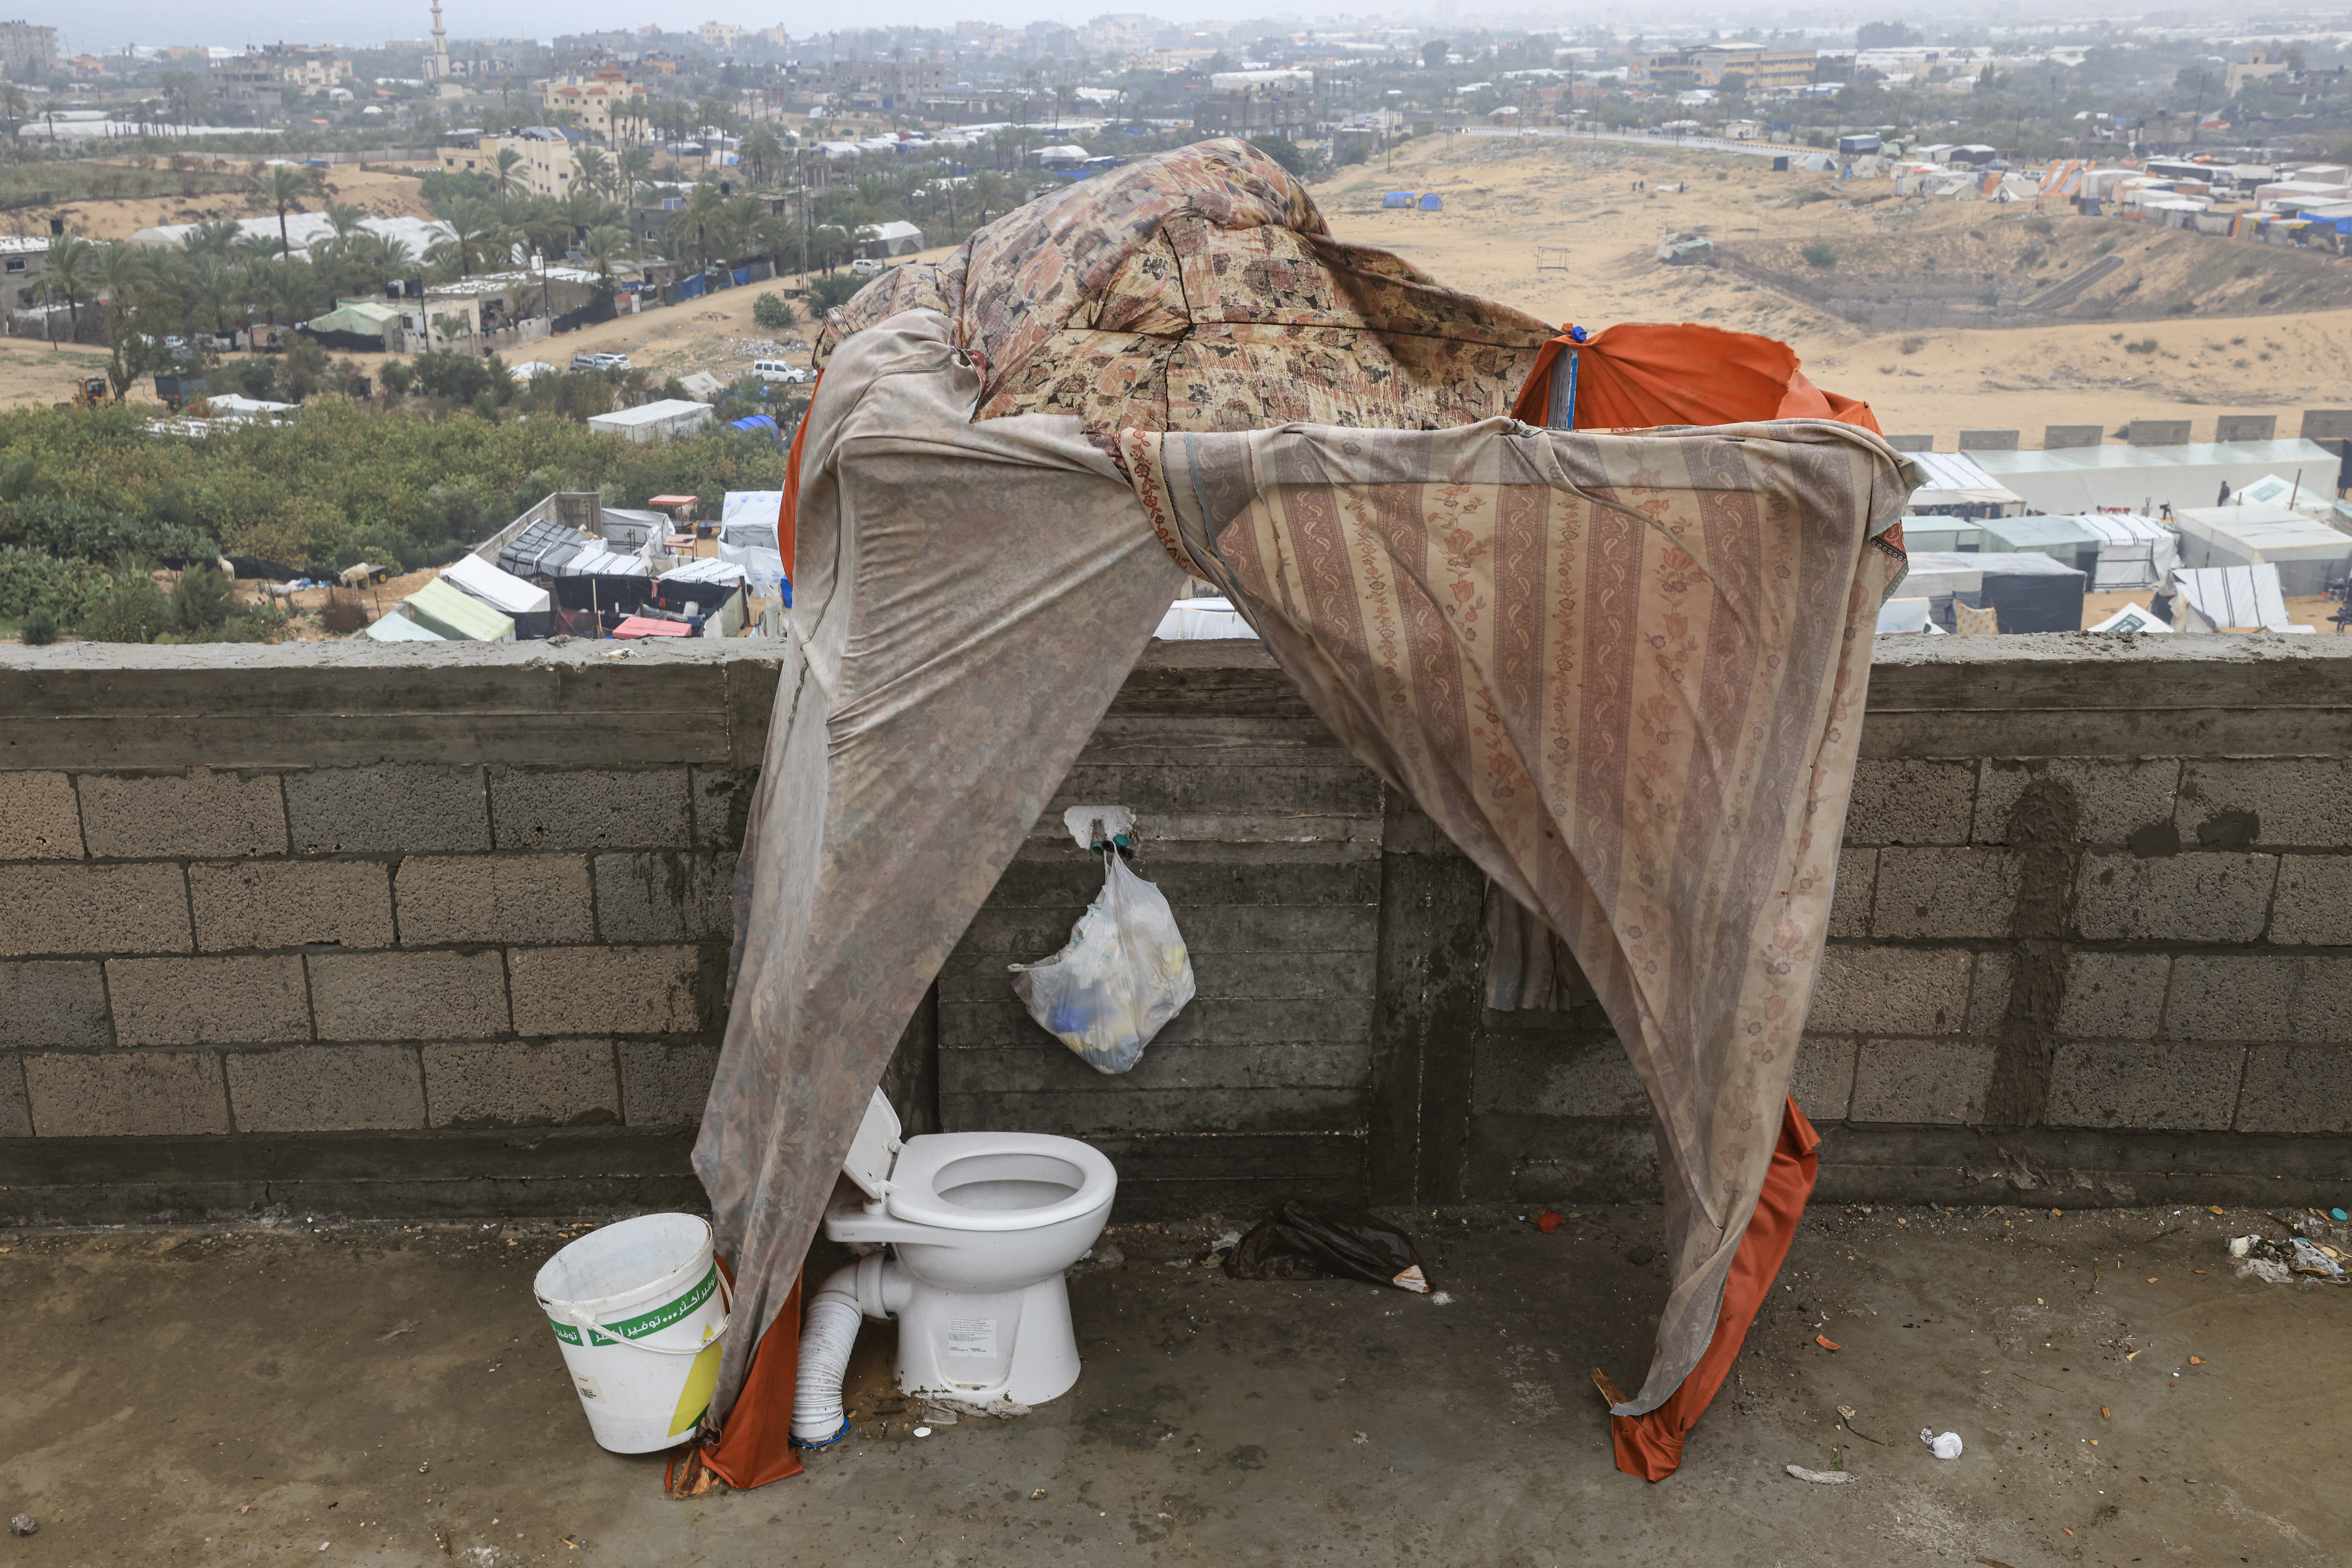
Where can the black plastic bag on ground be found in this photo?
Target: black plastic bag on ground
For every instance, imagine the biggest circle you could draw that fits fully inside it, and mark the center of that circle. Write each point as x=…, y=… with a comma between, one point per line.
x=1310, y=1241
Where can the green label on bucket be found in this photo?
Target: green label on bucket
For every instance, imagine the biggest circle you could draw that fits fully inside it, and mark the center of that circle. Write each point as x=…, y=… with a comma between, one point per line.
x=652, y=1322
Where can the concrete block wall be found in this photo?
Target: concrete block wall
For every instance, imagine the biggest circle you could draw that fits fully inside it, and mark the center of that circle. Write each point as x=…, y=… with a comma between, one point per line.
x=442, y=931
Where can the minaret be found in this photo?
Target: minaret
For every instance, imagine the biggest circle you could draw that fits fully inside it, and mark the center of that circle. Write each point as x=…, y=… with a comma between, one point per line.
x=438, y=67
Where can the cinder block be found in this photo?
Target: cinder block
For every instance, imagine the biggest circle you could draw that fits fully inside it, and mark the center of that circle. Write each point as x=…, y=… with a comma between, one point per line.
x=408, y=996
x=2179, y=897
x=1857, y=874
x=610, y=990
x=722, y=796
x=2178, y=1086
x=15, y=1111
x=200, y=813
x=326, y=1089
x=38, y=818
x=1922, y=1082
x=665, y=896
x=93, y=908
x=126, y=1094
x=1823, y=1081
x=52, y=1005
x=2296, y=1089
x=1946, y=893
x=514, y=1083
x=2114, y=797
x=1908, y=801
x=495, y=898
x=408, y=808
x=1989, y=994
x=665, y=1083
x=2225, y=998
x=291, y=903
x=208, y=1001
x=2113, y=995
x=2314, y=908
x=591, y=808
x=2282, y=801
x=1891, y=990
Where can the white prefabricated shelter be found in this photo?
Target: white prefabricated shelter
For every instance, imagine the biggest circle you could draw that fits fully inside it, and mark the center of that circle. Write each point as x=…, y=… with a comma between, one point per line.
x=2228, y=598
x=2030, y=592
x=2118, y=549
x=2306, y=552
x=1941, y=534
x=2314, y=495
x=2131, y=619
x=747, y=536
x=2145, y=478
x=502, y=591
x=654, y=421
x=1958, y=485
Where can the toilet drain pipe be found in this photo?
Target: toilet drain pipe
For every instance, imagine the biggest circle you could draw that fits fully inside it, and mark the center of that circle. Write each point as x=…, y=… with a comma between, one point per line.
x=873, y=1286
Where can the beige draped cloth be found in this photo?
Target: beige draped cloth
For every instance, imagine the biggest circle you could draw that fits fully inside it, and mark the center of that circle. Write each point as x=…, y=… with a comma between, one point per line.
x=1625, y=674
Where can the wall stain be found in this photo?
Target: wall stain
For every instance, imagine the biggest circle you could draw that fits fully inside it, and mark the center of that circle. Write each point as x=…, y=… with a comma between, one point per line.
x=2045, y=827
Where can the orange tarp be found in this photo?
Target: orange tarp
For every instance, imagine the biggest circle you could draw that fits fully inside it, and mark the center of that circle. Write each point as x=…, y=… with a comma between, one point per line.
x=1633, y=376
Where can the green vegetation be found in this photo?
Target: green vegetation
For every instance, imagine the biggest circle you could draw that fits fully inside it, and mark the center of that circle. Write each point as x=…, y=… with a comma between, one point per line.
x=83, y=490
x=774, y=313
x=57, y=183
x=1817, y=253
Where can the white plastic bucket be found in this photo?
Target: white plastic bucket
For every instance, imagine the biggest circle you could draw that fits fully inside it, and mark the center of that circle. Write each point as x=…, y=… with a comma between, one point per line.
x=639, y=1309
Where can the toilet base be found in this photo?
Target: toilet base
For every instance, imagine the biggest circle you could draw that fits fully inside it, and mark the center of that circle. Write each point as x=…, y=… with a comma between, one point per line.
x=985, y=1347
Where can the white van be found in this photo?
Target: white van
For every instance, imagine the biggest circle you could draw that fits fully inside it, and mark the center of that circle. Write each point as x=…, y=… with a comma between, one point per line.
x=778, y=369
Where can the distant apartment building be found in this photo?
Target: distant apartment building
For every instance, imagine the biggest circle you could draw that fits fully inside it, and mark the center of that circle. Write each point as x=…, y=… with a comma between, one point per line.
x=1257, y=103
x=549, y=156
x=25, y=48
x=722, y=35
x=609, y=105
x=886, y=84
x=255, y=83
x=781, y=38
x=1681, y=71
x=2257, y=65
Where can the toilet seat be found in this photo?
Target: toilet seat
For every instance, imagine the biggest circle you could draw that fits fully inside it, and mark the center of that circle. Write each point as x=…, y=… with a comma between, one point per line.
x=995, y=1160
x=997, y=1172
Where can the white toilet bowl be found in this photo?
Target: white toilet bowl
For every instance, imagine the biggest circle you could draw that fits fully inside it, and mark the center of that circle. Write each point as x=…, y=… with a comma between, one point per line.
x=980, y=1227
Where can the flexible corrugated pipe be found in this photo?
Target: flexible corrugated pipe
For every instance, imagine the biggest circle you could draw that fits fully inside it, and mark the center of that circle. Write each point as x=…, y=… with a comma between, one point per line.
x=873, y=1286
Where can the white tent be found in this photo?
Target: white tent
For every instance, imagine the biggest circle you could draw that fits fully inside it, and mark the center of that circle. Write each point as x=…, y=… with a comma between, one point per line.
x=2131, y=619
x=2229, y=598
x=2306, y=554
x=499, y=590
x=2144, y=478
x=747, y=535
x=2139, y=551
x=1200, y=620
x=1958, y=485
x=654, y=421
x=2312, y=495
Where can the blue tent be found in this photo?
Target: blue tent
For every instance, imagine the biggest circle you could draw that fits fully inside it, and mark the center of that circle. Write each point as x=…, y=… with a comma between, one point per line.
x=757, y=423
x=1397, y=199
x=1433, y=203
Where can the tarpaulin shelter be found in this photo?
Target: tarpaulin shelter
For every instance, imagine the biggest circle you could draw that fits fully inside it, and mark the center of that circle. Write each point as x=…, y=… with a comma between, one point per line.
x=1623, y=670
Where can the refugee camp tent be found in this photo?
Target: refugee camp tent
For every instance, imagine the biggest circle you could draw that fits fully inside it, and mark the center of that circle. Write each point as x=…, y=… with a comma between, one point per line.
x=656, y=421
x=2308, y=554
x=2132, y=619
x=1958, y=485
x=2314, y=495
x=1940, y=533
x=2228, y=598
x=532, y=609
x=1018, y=455
x=747, y=537
x=1197, y=620
x=2136, y=551
x=1431, y=201
x=355, y=326
x=458, y=615
x=2063, y=539
x=394, y=627
x=2029, y=592
x=2145, y=478
x=1397, y=199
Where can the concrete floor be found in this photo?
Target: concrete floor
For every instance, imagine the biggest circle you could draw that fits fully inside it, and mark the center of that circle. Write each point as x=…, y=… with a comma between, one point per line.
x=390, y=1396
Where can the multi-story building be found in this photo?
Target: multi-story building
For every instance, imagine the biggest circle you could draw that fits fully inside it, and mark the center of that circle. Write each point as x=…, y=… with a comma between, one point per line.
x=26, y=48
x=255, y=83
x=1680, y=70
x=722, y=35
x=609, y=105
x=1254, y=103
x=2257, y=65
x=886, y=84
x=549, y=156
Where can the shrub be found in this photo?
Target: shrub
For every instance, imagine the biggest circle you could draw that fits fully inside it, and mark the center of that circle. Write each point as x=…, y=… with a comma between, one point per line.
x=40, y=626
x=831, y=289
x=31, y=581
x=1817, y=254
x=132, y=609
x=80, y=532
x=2144, y=346
x=397, y=375
x=1913, y=345
x=774, y=313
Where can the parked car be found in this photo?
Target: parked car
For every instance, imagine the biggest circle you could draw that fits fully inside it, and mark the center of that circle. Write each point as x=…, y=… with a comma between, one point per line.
x=777, y=370
x=866, y=266
x=600, y=362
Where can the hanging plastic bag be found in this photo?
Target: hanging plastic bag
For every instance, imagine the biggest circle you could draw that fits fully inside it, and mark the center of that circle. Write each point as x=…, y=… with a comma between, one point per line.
x=1313, y=1241
x=1124, y=973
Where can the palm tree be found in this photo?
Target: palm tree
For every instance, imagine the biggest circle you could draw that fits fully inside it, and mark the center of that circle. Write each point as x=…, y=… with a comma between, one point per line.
x=71, y=260
x=212, y=238
x=704, y=210
x=283, y=187
x=604, y=246
x=256, y=246
x=636, y=166
x=117, y=272
x=549, y=231
x=595, y=169
x=344, y=218
x=504, y=179
x=14, y=105
x=760, y=152
x=208, y=284
x=476, y=233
